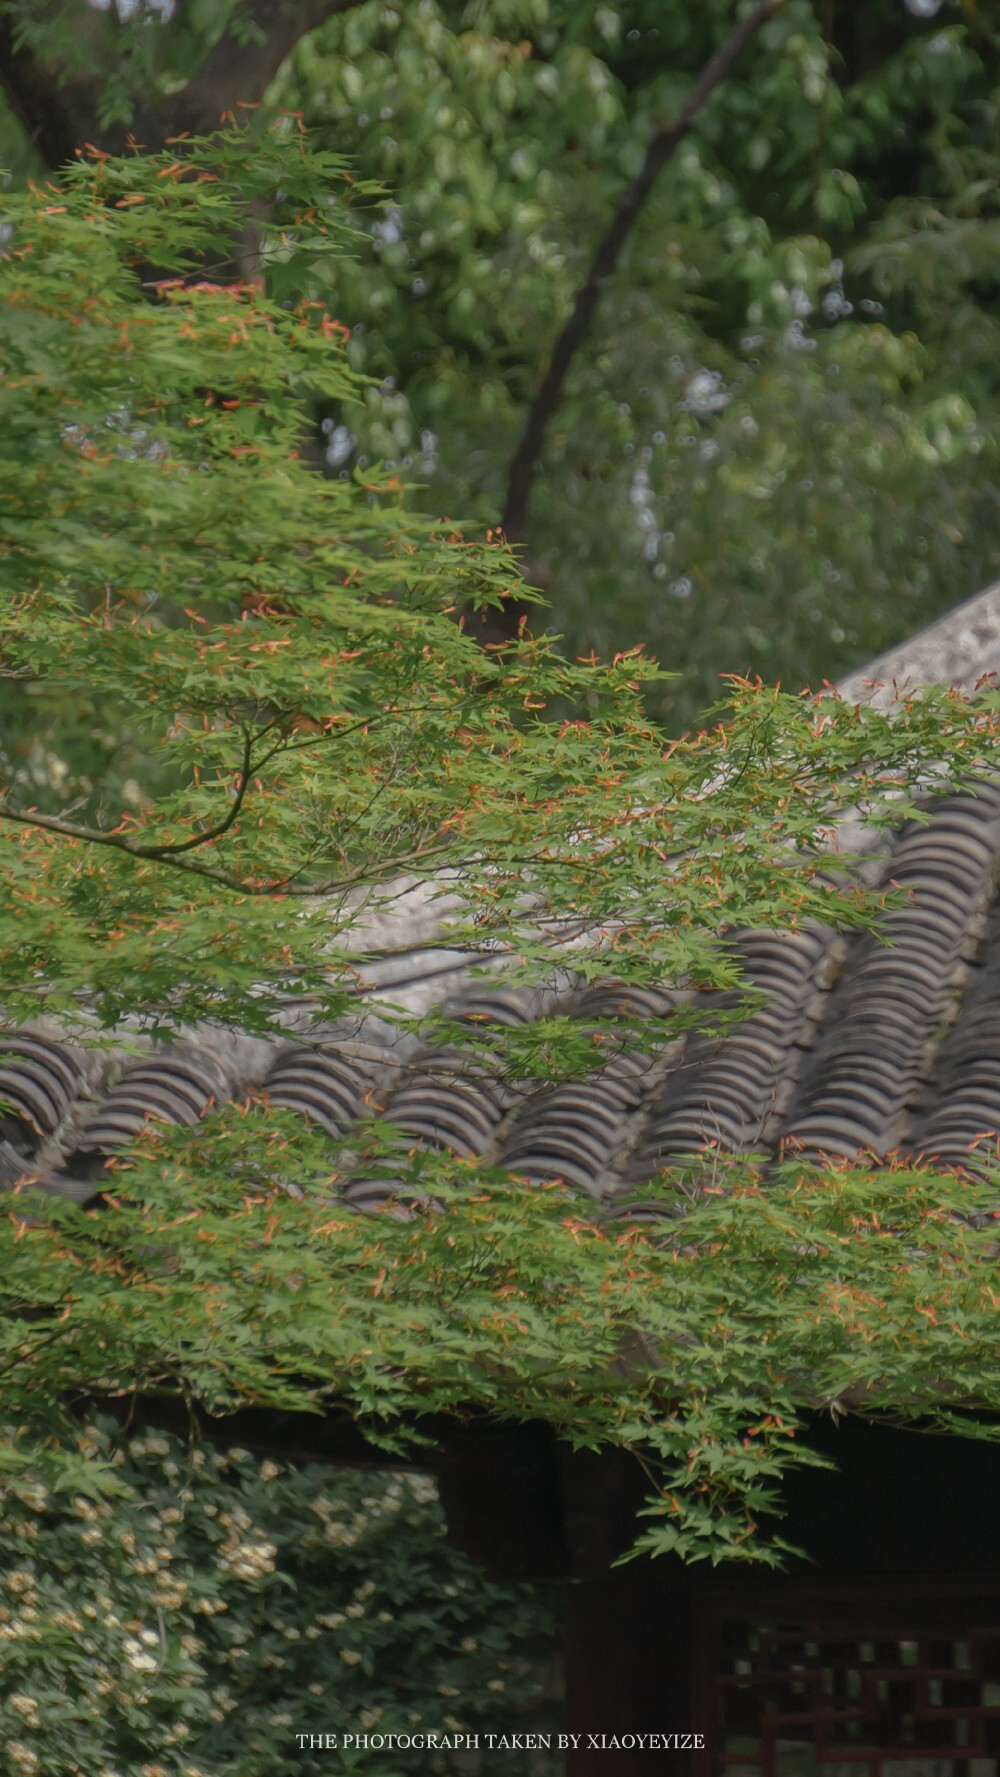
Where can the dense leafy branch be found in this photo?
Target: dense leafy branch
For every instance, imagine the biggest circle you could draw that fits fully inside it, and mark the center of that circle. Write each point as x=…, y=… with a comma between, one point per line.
x=202, y=1280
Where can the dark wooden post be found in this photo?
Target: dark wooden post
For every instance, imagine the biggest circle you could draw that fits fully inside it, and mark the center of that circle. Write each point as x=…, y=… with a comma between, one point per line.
x=629, y=1634
x=628, y=1673
x=499, y=1486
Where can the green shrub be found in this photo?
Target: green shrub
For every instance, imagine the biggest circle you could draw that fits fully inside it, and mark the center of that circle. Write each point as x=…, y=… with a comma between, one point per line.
x=222, y=1605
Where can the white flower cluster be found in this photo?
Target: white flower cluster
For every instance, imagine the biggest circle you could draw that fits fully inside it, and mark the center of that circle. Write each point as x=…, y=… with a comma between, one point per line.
x=138, y=1654
x=249, y=1561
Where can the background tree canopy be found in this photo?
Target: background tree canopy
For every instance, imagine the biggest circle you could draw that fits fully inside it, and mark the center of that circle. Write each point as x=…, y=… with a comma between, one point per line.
x=777, y=447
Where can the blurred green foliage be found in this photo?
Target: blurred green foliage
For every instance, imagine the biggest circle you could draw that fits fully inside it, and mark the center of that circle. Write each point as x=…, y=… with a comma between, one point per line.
x=778, y=451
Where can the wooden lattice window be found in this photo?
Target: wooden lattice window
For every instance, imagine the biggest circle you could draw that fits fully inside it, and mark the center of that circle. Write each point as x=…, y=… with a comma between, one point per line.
x=834, y=1685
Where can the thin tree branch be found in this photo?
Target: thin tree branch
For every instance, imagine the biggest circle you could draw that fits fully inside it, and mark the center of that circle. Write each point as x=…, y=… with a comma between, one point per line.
x=364, y=877
x=160, y=854
x=660, y=151
x=436, y=849
x=174, y=853
x=247, y=769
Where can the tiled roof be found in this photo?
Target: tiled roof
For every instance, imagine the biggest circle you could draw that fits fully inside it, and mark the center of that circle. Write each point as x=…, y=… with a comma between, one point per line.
x=870, y=1044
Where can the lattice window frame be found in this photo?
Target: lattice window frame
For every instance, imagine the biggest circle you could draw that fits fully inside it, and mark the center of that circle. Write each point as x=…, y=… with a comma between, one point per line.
x=894, y=1672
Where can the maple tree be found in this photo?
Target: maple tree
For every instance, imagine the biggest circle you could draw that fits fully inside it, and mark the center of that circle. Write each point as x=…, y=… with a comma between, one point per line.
x=282, y=719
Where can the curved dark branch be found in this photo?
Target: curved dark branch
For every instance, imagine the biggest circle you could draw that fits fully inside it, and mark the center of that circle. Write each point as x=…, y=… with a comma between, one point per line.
x=659, y=152
x=246, y=772
x=434, y=850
